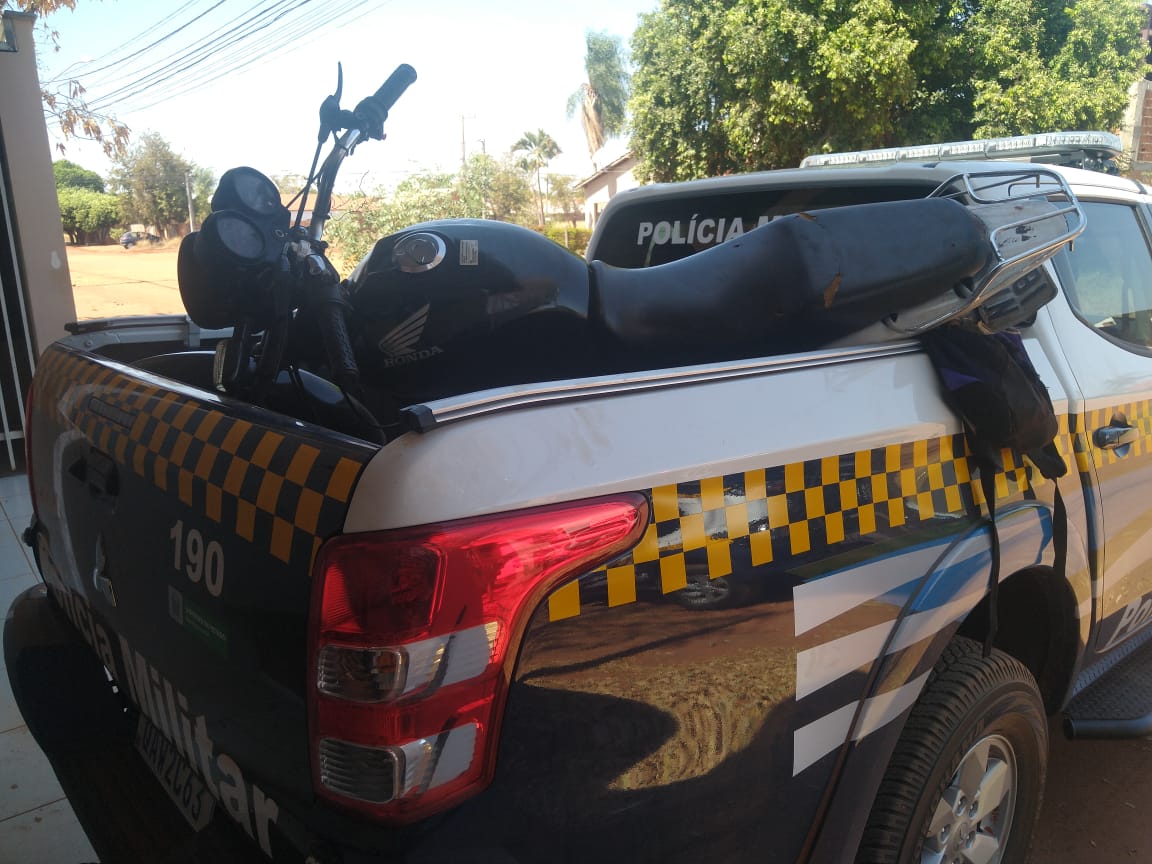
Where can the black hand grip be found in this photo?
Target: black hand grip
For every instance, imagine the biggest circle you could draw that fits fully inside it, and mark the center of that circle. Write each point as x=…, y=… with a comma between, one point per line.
x=392, y=89
x=373, y=111
x=338, y=346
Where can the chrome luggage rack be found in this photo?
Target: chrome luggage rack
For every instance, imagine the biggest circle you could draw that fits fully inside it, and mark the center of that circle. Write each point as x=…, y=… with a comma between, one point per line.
x=1030, y=214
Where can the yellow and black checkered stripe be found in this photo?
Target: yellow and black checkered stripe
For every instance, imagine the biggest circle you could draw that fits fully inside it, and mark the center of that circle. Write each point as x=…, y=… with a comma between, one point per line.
x=278, y=488
x=779, y=513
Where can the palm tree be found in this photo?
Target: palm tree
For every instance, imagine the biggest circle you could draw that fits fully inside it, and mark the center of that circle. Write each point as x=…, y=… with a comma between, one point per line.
x=602, y=100
x=539, y=148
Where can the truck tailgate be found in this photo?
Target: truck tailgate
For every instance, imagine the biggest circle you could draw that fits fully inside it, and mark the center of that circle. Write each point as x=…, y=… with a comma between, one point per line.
x=178, y=531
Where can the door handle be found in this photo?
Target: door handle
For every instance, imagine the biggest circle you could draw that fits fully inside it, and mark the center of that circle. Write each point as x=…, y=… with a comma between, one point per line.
x=1114, y=437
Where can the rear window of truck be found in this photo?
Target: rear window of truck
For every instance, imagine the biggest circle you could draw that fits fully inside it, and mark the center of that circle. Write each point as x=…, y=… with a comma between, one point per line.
x=659, y=230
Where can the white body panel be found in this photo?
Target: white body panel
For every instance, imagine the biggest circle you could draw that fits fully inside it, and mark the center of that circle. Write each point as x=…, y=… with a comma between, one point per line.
x=558, y=451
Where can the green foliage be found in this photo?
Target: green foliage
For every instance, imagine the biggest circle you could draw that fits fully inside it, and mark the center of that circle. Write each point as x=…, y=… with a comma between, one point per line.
x=1071, y=71
x=740, y=85
x=86, y=214
x=574, y=238
x=495, y=189
x=150, y=179
x=70, y=175
x=484, y=189
x=563, y=193
x=602, y=100
x=203, y=183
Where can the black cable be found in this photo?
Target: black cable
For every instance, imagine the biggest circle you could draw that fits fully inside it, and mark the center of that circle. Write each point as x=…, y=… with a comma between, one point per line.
x=192, y=57
x=87, y=73
x=285, y=42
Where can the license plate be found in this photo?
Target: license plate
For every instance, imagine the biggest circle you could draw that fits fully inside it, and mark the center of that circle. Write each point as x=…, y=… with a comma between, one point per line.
x=179, y=779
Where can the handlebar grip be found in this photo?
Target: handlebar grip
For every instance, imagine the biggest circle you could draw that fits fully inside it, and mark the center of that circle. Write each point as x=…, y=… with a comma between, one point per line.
x=373, y=111
x=392, y=89
x=338, y=346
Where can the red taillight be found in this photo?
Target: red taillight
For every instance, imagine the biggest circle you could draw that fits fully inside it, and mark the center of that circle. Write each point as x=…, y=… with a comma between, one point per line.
x=412, y=641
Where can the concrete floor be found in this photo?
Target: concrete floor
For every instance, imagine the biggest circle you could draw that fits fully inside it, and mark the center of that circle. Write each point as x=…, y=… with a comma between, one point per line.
x=37, y=825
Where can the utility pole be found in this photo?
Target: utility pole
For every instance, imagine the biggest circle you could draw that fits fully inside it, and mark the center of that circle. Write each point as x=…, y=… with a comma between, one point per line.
x=188, y=191
x=463, y=148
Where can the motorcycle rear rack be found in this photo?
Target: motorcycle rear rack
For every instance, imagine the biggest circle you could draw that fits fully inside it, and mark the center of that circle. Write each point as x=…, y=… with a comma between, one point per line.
x=1030, y=214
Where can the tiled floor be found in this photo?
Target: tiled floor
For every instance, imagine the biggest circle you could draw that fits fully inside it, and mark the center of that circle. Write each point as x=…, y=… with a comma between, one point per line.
x=37, y=825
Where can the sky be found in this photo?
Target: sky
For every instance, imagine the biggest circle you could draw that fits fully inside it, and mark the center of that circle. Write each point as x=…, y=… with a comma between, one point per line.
x=488, y=71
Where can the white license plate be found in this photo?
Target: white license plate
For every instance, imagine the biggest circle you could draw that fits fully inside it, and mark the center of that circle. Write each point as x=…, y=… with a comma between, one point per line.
x=179, y=779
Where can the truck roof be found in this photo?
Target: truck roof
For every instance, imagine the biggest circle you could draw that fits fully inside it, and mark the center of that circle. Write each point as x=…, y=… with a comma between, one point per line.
x=930, y=174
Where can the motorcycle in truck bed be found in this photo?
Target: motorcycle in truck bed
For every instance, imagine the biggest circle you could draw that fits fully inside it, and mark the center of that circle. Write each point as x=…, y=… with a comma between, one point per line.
x=488, y=553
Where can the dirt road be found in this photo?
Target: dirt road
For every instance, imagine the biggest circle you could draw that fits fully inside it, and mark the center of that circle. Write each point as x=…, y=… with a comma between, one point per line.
x=111, y=280
x=1098, y=804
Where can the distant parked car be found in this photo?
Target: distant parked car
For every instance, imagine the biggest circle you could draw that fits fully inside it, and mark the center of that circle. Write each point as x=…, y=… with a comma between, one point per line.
x=131, y=238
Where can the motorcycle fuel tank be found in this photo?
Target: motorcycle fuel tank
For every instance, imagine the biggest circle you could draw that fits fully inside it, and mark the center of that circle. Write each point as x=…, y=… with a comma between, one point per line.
x=454, y=303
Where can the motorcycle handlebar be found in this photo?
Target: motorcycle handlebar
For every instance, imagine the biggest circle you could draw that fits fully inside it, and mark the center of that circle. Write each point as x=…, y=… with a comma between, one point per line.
x=392, y=89
x=373, y=111
x=338, y=345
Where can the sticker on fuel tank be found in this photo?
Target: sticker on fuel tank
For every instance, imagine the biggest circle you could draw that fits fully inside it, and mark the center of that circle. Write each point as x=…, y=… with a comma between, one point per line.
x=469, y=253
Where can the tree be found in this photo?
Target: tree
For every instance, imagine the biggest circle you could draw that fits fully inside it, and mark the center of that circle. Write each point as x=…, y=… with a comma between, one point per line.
x=563, y=193
x=150, y=178
x=86, y=214
x=602, y=100
x=1074, y=71
x=484, y=188
x=539, y=148
x=740, y=85
x=495, y=189
x=203, y=183
x=72, y=176
x=65, y=104
x=86, y=211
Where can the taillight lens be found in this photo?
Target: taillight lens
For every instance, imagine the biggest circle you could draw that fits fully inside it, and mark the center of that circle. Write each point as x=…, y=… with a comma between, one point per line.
x=412, y=641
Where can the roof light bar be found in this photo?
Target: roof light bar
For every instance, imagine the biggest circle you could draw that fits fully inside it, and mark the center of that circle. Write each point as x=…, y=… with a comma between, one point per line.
x=1020, y=147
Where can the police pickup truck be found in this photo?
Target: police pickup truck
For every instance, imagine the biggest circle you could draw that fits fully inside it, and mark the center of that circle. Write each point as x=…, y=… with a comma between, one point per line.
x=727, y=611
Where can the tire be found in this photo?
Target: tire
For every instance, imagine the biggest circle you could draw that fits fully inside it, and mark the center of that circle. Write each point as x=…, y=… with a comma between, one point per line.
x=978, y=729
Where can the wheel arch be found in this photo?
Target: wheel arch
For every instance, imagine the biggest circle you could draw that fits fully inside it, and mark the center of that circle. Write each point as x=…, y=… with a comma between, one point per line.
x=951, y=601
x=1038, y=624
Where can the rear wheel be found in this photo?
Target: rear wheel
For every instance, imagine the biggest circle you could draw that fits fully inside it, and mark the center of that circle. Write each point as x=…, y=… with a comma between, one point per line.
x=966, y=779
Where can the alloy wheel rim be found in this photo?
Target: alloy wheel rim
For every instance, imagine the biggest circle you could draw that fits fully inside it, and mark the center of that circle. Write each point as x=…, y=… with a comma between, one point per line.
x=972, y=820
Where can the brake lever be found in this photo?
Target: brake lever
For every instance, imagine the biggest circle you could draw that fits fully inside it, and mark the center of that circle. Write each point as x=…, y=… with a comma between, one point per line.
x=332, y=117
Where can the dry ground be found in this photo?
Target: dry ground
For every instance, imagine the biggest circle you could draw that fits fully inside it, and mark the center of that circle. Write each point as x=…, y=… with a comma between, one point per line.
x=110, y=280
x=1098, y=806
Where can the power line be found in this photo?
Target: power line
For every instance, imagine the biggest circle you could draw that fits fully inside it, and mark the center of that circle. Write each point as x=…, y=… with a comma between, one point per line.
x=277, y=47
x=195, y=58
x=222, y=37
x=123, y=47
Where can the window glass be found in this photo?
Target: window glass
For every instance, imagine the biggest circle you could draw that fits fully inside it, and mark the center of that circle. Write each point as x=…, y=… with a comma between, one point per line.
x=1111, y=286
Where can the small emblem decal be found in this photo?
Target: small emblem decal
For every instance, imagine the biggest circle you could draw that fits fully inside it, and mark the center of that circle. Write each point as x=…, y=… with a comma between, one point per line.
x=402, y=338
